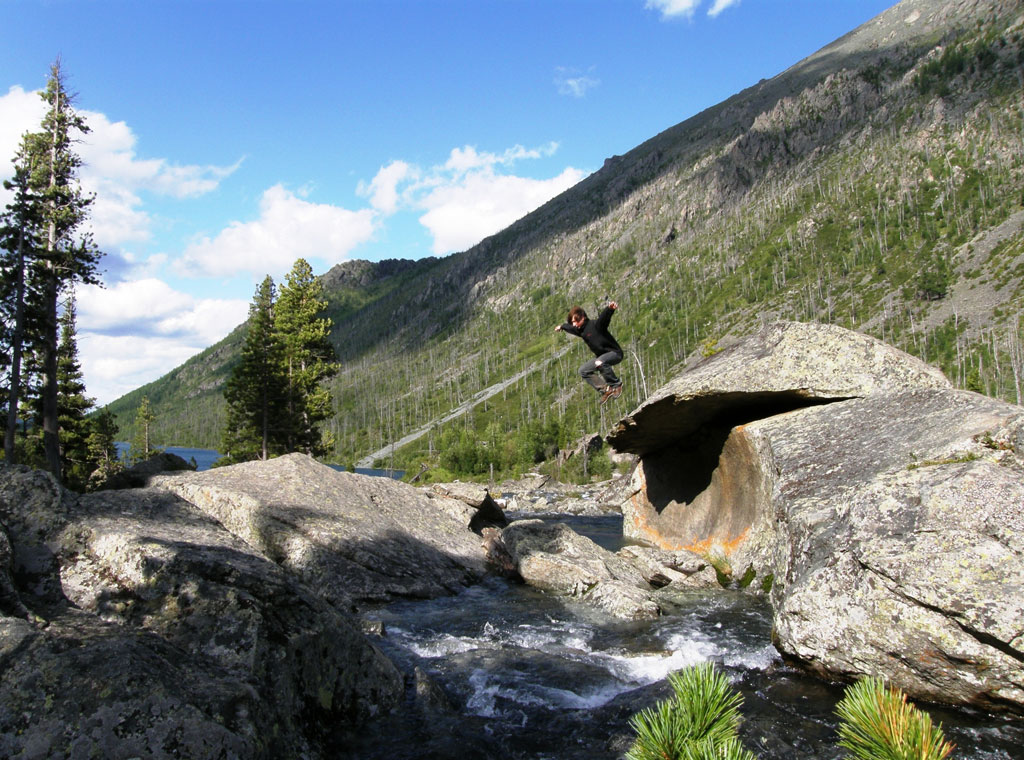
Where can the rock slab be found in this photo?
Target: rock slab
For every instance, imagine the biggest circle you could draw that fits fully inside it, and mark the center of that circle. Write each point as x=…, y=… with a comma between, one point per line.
x=354, y=538
x=154, y=632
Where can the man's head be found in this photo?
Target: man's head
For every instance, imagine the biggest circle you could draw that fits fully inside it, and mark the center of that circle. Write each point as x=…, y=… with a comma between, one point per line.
x=577, y=316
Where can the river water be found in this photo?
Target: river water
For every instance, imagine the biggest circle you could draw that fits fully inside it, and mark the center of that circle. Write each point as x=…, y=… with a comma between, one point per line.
x=505, y=671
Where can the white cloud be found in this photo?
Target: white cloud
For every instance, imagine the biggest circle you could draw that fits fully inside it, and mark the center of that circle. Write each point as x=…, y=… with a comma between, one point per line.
x=468, y=197
x=118, y=364
x=721, y=5
x=132, y=333
x=288, y=228
x=383, y=189
x=110, y=169
x=20, y=112
x=672, y=8
x=138, y=305
x=467, y=158
x=572, y=82
x=481, y=203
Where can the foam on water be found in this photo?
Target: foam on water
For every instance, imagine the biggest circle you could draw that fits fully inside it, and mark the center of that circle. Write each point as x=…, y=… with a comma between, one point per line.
x=499, y=695
x=634, y=670
x=440, y=645
x=560, y=634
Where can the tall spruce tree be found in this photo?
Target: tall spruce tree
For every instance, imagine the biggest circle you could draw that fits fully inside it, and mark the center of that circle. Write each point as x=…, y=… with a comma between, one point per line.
x=66, y=258
x=309, y=358
x=20, y=227
x=256, y=391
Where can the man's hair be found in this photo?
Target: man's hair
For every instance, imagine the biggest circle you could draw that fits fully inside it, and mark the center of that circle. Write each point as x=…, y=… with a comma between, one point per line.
x=576, y=311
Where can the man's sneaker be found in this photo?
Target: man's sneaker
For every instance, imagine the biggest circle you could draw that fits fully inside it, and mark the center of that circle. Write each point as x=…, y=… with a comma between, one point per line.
x=614, y=391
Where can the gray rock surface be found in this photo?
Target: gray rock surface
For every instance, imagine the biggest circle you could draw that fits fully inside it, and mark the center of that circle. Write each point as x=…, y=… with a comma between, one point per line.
x=881, y=506
x=483, y=511
x=139, y=473
x=554, y=558
x=540, y=494
x=352, y=537
x=153, y=632
x=785, y=366
x=680, y=569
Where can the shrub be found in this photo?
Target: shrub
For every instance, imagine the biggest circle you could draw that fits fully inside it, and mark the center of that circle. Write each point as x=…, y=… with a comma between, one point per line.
x=699, y=721
x=879, y=724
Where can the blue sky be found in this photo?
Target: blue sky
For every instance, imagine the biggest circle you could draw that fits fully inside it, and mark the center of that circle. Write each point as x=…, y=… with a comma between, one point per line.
x=229, y=138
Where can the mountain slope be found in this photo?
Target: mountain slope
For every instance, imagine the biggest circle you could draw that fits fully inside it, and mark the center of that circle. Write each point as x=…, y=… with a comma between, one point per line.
x=877, y=184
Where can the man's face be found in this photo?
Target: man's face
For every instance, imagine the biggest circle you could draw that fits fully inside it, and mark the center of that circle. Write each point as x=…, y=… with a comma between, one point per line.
x=578, y=321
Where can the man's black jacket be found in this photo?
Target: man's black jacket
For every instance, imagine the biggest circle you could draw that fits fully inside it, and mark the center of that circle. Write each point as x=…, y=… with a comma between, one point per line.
x=595, y=333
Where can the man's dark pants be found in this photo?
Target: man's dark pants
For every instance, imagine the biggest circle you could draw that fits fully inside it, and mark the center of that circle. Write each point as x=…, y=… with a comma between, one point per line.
x=601, y=377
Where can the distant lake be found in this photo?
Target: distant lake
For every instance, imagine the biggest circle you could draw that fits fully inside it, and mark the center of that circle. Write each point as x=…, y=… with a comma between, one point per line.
x=205, y=458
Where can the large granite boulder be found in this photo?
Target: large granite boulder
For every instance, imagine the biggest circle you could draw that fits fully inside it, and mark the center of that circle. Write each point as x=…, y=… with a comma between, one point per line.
x=353, y=538
x=142, y=628
x=881, y=506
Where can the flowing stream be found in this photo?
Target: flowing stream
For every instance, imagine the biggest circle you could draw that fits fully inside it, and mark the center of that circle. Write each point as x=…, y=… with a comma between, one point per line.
x=504, y=671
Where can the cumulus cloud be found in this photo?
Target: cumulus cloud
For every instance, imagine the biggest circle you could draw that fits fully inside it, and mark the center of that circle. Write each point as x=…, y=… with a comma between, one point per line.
x=573, y=82
x=136, y=331
x=111, y=169
x=468, y=197
x=383, y=189
x=462, y=213
x=288, y=227
x=20, y=112
x=116, y=365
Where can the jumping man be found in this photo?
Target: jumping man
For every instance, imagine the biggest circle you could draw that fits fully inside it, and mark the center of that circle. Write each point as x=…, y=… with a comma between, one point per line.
x=598, y=371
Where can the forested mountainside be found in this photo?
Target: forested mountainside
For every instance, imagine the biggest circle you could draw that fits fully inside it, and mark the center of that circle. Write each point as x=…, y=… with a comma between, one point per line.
x=878, y=185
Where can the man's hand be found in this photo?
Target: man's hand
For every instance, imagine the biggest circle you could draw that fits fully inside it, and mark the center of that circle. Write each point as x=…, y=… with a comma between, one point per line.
x=612, y=305
x=558, y=328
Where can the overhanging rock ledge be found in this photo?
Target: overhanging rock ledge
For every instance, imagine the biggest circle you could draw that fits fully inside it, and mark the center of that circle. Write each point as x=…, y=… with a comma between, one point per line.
x=881, y=508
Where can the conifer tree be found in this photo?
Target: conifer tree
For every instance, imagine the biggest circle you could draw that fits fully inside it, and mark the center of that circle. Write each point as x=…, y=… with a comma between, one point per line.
x=72, y=405
x=101, y=445
x=309, y=358
x=20, y=226
x=256, y=391
x=65, y=257
x=141, y=449
x=46, y=255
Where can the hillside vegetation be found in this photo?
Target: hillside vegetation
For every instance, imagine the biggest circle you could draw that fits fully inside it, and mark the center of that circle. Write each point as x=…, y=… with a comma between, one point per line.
x=878, y=185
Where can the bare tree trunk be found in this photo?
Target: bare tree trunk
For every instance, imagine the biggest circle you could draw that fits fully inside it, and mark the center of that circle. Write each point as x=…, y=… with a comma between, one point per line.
x=51, y=432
